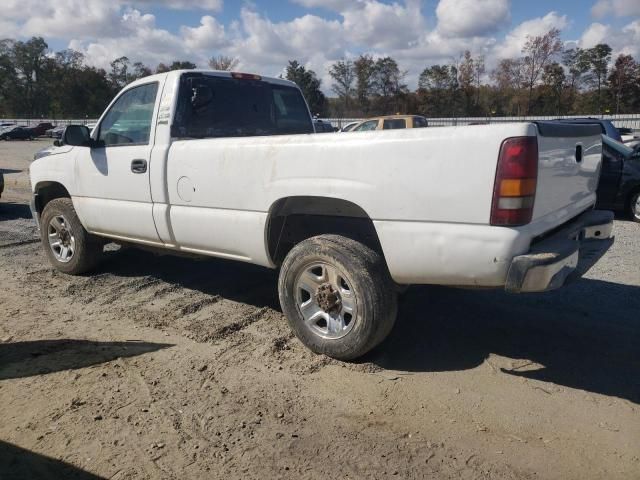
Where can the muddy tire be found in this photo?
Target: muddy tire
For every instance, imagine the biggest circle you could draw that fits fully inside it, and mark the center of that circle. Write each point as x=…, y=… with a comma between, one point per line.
x=69, y=247
x=337, y=295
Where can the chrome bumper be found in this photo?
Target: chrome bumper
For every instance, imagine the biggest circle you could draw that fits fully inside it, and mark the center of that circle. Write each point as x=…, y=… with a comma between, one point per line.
x=564, y=256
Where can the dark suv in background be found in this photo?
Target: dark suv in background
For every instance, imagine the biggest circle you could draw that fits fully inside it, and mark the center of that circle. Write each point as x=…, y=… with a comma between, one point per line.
x=619, y=187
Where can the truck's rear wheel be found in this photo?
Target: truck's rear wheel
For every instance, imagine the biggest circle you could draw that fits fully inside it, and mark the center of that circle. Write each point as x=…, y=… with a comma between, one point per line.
x=70, y=248
x=337, y=296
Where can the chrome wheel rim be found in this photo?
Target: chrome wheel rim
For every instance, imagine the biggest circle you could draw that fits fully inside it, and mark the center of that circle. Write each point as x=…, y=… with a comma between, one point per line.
x=326, y=300
x=61, y=240
x=636, y=207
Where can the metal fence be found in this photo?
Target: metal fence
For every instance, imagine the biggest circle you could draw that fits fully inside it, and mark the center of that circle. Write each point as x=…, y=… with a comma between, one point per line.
x=628, y=121
x=32, y=122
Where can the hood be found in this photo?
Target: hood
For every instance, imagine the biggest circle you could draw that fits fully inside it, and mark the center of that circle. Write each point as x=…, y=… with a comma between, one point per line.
x=51, y=150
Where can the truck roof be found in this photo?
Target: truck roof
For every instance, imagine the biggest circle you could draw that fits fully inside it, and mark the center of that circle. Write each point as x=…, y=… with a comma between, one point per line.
x=215, y=73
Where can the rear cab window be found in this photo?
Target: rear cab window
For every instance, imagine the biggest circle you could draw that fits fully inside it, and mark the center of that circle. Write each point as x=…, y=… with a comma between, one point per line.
x=394, y=123
x=211, y=106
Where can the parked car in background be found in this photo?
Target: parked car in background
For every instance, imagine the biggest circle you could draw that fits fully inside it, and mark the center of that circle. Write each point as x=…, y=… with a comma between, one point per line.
x=619, y=187
x=392, y=122
x=41, y=129
x=619, y=183
x=17, y=133
x=321, y=126
x=629, y=135
x=349, y=126
x=56, y=132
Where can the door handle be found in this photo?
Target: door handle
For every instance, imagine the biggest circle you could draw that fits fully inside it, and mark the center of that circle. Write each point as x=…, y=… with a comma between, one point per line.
x=138, y=165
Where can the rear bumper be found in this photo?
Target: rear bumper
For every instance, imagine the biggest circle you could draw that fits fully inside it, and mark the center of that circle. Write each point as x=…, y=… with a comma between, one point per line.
x=564, y=256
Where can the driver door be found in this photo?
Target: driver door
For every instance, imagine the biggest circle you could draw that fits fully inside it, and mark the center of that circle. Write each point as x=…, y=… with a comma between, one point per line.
x=114, y=194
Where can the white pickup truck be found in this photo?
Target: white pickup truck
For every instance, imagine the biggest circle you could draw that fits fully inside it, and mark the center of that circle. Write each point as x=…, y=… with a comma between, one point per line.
x=227, y=165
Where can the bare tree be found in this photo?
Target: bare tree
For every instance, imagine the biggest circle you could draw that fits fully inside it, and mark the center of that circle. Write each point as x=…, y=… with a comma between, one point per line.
x=508, y=76
x=538, y=52
x=344, y=75
x=478, y=71
x=223, y=62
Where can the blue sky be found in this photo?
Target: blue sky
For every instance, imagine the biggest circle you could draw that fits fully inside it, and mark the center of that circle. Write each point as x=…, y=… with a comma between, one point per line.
x=264, y=34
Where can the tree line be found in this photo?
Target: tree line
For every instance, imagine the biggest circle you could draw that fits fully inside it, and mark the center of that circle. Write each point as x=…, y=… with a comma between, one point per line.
x=35, y=82
x=546, y=79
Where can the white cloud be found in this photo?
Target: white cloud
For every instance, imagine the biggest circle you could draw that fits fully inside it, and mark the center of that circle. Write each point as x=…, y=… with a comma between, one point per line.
x=594, y=34
x=620, y=8
x=513, y=42
x=211, y=5
x=625, y=40
x=403, y=29
x=209, y=35
x=470, y=18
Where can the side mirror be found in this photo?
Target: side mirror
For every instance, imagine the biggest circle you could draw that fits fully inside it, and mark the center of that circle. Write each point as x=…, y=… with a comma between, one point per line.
x=77, y=135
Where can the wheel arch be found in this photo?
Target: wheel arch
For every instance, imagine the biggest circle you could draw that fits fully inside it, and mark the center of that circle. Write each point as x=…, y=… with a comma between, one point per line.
x=295, y=218
x=46, y=191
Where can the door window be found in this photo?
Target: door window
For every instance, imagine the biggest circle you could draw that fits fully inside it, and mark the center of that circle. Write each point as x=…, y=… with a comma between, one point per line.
x=363, y=127
x=128, y=121
x=394, y=123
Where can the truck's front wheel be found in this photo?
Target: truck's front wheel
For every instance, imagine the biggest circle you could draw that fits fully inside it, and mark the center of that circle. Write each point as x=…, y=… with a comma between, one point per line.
x=337, y=295
x=70, y=248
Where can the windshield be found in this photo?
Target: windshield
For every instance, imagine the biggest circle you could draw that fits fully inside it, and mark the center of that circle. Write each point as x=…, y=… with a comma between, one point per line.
x=210, y=106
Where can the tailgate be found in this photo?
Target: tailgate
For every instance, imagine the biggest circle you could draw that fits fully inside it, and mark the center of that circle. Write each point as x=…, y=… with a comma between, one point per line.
x=568, y=169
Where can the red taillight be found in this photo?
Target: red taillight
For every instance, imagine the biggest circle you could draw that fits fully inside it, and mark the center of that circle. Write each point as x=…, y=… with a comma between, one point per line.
x=245, y=76
x=514, y=190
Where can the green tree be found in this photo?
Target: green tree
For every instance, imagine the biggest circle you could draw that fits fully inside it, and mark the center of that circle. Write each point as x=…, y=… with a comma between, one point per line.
x=599, y=58
x=175, y=65
x=309, y=83
x=388, y=84
x=29, y=60
x=553, y=79
x=438, y=91
x=8, y=78
x=365, y=68
x=119, y=76
x=624, y=81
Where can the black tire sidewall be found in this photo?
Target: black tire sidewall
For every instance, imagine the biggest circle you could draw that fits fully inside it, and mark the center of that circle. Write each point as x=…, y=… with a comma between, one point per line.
x=632, y=202
x=375, y=295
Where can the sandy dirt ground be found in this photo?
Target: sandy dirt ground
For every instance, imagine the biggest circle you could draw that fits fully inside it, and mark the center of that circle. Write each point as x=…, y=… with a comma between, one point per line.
x=160, y=367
